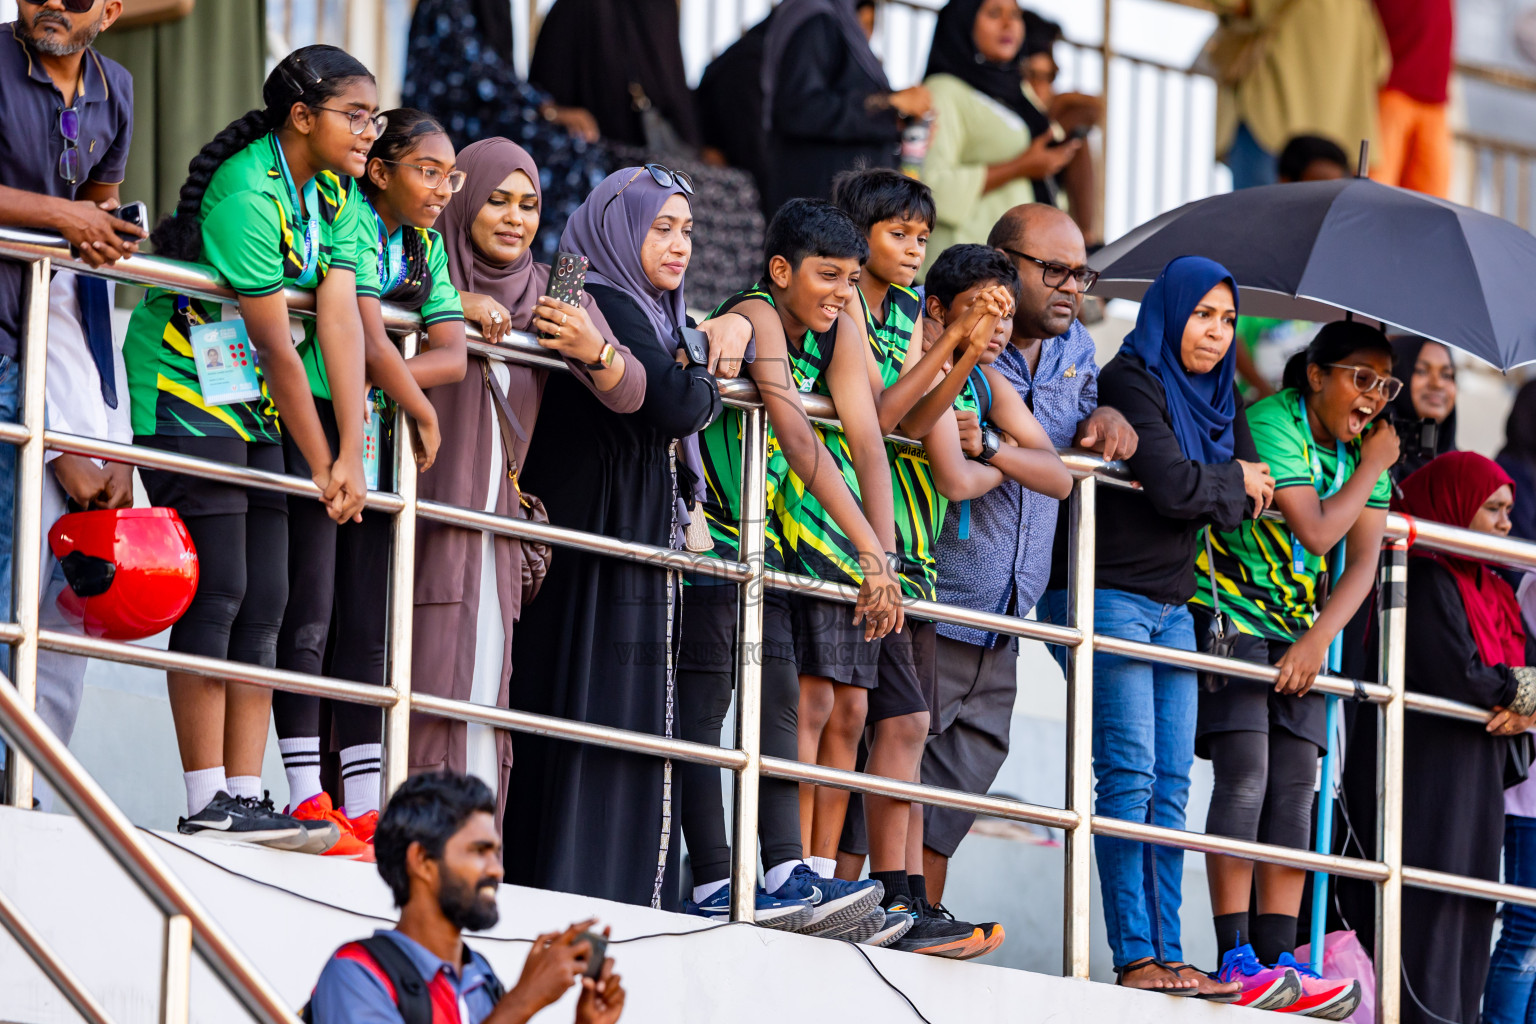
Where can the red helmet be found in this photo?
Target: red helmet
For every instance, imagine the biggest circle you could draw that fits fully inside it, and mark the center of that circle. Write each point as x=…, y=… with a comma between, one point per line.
x=131, y=571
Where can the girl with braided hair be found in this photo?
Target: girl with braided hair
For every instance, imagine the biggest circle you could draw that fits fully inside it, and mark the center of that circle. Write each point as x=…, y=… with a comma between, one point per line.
x=269, y=203
x=345, y=568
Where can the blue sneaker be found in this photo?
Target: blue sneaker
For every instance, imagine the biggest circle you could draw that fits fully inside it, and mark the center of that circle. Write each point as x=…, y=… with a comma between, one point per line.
x=1264, y=988
x=836, y=905
x=783, y=915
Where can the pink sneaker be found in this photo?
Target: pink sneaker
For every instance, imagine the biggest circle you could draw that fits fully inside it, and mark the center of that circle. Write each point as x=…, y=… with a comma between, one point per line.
x=1264, y=988
x=1325, y=998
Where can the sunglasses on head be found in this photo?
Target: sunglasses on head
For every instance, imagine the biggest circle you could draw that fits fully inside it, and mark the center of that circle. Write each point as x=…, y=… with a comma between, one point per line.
x=662, y=176
x=72, y=6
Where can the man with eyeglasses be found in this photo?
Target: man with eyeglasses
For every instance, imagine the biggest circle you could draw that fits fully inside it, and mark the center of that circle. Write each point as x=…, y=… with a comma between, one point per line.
x=1001, y=559
x=66, y=118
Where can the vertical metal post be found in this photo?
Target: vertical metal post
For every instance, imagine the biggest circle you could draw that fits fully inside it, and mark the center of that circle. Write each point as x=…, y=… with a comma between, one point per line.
x=1077, y=898
x=402, y=576
x=749, y=663
x=25, y=565
x=1389, y=785
x=1106, y=54
x=176, y=990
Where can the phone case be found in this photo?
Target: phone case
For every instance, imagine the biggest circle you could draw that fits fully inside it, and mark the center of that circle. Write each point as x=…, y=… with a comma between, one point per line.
x=567, y=278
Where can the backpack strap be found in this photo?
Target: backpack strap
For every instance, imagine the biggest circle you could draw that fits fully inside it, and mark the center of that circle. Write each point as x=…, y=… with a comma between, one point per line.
x=983, y=388
x=493, y=986
x=399, y=974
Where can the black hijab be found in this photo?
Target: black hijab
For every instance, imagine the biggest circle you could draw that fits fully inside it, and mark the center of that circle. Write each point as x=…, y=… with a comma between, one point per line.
x=1405, y=353
x=789, y=17
x=954, y=53
x=589, y=53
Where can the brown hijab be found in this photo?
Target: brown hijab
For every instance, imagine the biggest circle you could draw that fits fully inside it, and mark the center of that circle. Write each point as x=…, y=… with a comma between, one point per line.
x=516, y=285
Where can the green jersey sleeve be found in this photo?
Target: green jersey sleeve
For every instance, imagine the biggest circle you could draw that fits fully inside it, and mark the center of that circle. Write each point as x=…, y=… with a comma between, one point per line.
x=1278, y=441
x=352, y=234
x=242, y=239
x=1381, y=494
x=443, y=303
x=365, y=247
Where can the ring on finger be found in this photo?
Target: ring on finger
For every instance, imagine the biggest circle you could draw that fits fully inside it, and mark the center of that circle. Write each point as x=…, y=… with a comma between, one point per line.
x=563, y=318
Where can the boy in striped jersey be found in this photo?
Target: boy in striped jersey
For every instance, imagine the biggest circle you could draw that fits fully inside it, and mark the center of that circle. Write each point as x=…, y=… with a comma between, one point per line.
x=847, y=682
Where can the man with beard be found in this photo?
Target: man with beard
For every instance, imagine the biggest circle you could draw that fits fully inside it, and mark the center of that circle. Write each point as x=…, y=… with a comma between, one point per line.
x=437, y=849
x=66, y=118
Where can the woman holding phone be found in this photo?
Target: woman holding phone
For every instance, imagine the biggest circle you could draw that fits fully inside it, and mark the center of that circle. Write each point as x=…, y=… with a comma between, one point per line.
x=596, y=647
x=469, y=584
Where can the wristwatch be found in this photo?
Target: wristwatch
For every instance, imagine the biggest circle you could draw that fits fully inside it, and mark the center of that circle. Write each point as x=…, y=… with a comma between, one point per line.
x=991, y=441
x=604, y=359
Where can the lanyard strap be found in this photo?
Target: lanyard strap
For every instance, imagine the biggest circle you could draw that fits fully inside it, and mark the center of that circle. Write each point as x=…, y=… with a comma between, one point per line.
x=1315, y=461
x=309, y=225
x=391, y=260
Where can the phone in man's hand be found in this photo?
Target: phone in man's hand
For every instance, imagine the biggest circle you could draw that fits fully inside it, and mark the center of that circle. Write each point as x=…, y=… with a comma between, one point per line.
x=599, y=954
x=135, y=213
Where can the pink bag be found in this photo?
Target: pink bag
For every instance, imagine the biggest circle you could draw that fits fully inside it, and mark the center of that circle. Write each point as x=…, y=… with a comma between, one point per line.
x=1344, y=957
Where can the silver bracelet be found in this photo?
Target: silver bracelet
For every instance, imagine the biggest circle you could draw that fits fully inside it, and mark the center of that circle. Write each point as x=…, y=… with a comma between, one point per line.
x=1525, y=696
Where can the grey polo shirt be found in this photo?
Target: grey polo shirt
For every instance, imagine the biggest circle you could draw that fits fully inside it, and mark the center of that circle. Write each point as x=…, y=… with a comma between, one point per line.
x=30, y=142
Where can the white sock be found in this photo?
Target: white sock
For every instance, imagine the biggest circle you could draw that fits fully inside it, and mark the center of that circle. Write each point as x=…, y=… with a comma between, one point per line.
x=201, y=787
x=704, y=892
x=245, y=786
x=775, y=877
x=826, y=867
x=360, y=778
x=301, y=763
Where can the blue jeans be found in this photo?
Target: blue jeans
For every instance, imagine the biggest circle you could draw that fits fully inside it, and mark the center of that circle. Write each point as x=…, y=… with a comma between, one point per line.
x=1250, y=163
x=1510, y=997
x=1143, y=747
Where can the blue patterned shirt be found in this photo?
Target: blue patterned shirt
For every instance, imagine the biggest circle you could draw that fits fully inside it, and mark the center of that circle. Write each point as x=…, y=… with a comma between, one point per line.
x=1005, y=562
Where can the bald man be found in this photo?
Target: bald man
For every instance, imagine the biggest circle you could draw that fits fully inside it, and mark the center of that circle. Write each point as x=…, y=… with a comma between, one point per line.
x=999, y=557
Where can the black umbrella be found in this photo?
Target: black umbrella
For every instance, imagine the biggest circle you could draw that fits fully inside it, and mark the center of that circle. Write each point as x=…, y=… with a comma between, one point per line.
x=1314, y=250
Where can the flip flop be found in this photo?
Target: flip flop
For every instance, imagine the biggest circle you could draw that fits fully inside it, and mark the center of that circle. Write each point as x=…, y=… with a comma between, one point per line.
x=1212, y=997
x=1151, y=961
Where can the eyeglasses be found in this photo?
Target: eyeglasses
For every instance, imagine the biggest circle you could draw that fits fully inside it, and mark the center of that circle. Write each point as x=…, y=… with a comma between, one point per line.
x=663, y=176
x=359, y=119
x=72, y=6
x=1367, y=379
x=69, y=160
x=433, y=176
x=1054, y=275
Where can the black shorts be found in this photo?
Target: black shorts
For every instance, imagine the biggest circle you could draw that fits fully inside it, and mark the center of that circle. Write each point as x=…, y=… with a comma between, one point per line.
x=707, y=637
x=197, y=496
x=1247, y=705
x=899, y=691
x=829, y=645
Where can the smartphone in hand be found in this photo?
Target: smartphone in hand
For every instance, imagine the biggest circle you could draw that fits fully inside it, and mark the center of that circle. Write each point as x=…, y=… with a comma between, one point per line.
x=136, y=214
x=567, y=279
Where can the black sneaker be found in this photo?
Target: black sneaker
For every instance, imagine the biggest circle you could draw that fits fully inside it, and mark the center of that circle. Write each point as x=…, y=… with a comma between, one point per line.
x=240, y=820
x=992, y=933
x=936, y=934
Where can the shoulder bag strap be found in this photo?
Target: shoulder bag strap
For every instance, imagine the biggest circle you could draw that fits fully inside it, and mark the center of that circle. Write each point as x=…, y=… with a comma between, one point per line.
x=506, y=420
x=1210, y=568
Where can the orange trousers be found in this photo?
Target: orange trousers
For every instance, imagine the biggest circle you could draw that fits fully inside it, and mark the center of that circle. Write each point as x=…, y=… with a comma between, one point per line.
x=1415, y=147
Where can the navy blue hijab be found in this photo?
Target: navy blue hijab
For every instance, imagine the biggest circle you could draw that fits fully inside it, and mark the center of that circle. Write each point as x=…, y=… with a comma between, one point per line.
x=1201, y=406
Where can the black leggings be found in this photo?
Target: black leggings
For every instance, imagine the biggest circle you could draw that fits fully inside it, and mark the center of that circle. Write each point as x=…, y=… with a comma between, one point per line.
x=705, y=678
x=337, y=608
x=242, y=586
x=1264, y=787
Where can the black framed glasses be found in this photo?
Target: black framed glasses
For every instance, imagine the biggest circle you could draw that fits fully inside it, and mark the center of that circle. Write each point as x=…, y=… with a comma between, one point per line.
x=1054, y=275
x=661, y=175
x=433, y=176
x=69, y=160
x=72, y=6
x=1367, y=379
x=358, y=119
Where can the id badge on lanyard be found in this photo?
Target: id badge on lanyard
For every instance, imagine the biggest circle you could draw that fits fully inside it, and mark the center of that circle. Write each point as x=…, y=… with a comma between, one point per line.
x=226, y=362
x=373, y=439
x=1299, y=552
x=391, y=261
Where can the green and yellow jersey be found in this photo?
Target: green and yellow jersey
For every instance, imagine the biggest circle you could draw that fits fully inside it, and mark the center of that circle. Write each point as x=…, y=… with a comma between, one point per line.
x=254, y=237
x=1268, y=580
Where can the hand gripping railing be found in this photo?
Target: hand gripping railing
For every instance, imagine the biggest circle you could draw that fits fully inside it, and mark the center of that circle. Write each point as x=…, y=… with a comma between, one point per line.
x=192, y=924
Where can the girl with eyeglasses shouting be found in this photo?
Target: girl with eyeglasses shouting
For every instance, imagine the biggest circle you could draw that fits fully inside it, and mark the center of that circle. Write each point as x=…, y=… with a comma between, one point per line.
x=1330, y=464
x=269, y=203
x=345, y=568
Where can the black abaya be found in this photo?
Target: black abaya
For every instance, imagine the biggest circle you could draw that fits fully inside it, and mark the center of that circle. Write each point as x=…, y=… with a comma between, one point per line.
x=593, y=645
x=1453, y=804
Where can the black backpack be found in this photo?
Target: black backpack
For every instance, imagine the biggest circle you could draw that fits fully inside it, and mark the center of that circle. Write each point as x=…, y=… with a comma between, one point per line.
x=983, y=388
x=411, y=995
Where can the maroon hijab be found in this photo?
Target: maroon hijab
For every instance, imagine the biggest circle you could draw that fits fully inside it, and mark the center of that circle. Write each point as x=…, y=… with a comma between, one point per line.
x=1451, y=489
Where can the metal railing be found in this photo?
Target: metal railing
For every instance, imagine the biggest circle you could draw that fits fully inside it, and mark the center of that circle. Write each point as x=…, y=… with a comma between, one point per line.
x=191, y=925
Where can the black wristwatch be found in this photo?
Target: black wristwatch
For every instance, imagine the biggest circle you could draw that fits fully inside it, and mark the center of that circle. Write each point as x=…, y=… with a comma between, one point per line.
x=991, y=441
